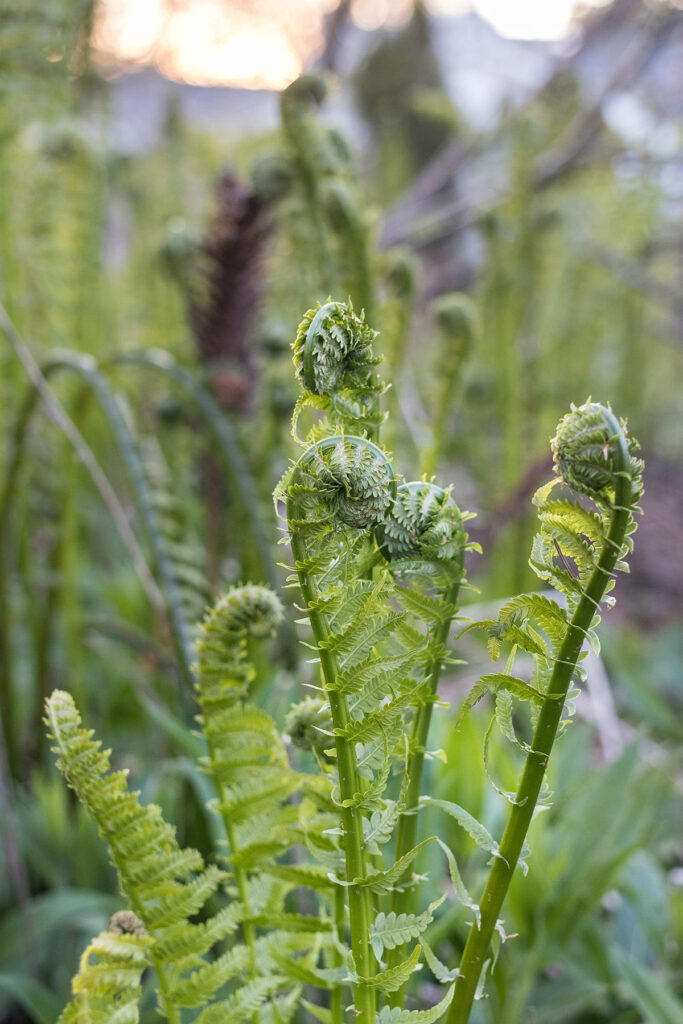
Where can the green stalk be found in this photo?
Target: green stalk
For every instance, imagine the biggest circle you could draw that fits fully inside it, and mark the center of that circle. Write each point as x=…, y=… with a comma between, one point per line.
x=521, y=814
x=359, y=897
x=240, y=881
x=407, y=823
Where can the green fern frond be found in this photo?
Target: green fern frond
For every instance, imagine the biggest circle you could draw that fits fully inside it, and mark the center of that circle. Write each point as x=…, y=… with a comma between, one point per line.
x=390, y=930
x=395, y=1015
x=143, y=849
x=107, y=987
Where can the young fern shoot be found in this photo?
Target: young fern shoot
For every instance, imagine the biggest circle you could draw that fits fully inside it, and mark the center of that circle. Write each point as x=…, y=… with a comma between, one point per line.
x=379, y=566
x=594, y=457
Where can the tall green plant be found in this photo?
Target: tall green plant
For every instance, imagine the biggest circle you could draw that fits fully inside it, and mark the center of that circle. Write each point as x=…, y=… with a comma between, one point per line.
x=379, y=565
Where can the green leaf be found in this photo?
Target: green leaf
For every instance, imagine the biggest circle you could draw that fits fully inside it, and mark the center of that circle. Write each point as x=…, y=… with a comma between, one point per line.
x=461, y=893
x=320, y=1013
x=241, y=1003
x=55, y=911
x=291, y=922
x=312, y=876
x=438, y=969
x=395, y=1015
x=391, y=930
x=380, y=826
x=381, y=881
x=38, y=1002
x=474, y=828
x=394, y=978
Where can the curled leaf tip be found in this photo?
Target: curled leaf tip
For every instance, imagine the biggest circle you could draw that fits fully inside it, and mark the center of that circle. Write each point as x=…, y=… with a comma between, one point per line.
x=592, y=449
x=333, y=349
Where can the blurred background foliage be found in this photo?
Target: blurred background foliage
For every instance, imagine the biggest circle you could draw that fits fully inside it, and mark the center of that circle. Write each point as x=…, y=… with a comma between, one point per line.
x=149, y=296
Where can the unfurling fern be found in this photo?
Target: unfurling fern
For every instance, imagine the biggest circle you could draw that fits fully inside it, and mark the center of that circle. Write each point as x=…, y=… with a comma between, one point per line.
x=380, y=566
x=578, y=550
x=334, y=363
x=165, y=886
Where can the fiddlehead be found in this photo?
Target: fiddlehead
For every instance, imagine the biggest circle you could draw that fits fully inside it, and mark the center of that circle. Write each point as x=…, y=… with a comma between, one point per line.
x=593, y=454
x=340, y=478
x=246, y=756
x=334, y=362
x=424, y=535
x=595, y=457
x=309, y=725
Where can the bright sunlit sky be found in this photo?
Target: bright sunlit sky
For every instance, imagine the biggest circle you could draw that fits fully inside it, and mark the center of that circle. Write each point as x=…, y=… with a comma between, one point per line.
x=266, y=43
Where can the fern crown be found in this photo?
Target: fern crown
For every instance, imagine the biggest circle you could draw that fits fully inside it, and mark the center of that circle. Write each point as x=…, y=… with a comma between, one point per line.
x=333, y=349
x=348, y=479
x=424, y=521
x=589, y=447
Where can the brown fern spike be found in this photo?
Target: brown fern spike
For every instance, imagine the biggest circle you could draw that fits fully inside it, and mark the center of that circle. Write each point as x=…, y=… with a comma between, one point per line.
x=226, y=290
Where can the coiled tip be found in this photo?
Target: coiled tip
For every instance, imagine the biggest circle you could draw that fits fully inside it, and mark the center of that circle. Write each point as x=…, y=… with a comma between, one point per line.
x=343, y=480
x=425, y=524
x=333, y=349
x=309, y=724
x=592, y=452
x=252, y=609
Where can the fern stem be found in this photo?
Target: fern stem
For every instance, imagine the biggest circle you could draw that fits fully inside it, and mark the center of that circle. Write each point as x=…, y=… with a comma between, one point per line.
x=407, y=822
x=238, y=871
x=172, y=1012
x=521, y=813
x=359, y=898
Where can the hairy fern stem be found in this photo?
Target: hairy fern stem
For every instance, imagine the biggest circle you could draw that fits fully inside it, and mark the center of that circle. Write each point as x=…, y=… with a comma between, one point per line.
x=359, y=899
x=522, y=811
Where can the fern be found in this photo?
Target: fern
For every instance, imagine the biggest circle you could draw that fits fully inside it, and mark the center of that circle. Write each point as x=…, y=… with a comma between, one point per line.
x=392, y=930
x=579, y=550
x=166, y=886
x=108, y=987
x=380, y=565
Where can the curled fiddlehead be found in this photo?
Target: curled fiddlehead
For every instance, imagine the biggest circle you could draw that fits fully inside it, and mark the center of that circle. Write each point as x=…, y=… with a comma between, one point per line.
x=251, y=609
x=594, y=456
x=246, y=755
x=333, y=349
x=424, y=534
x=340, y=480
x=334, y=362
x=308, y=725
